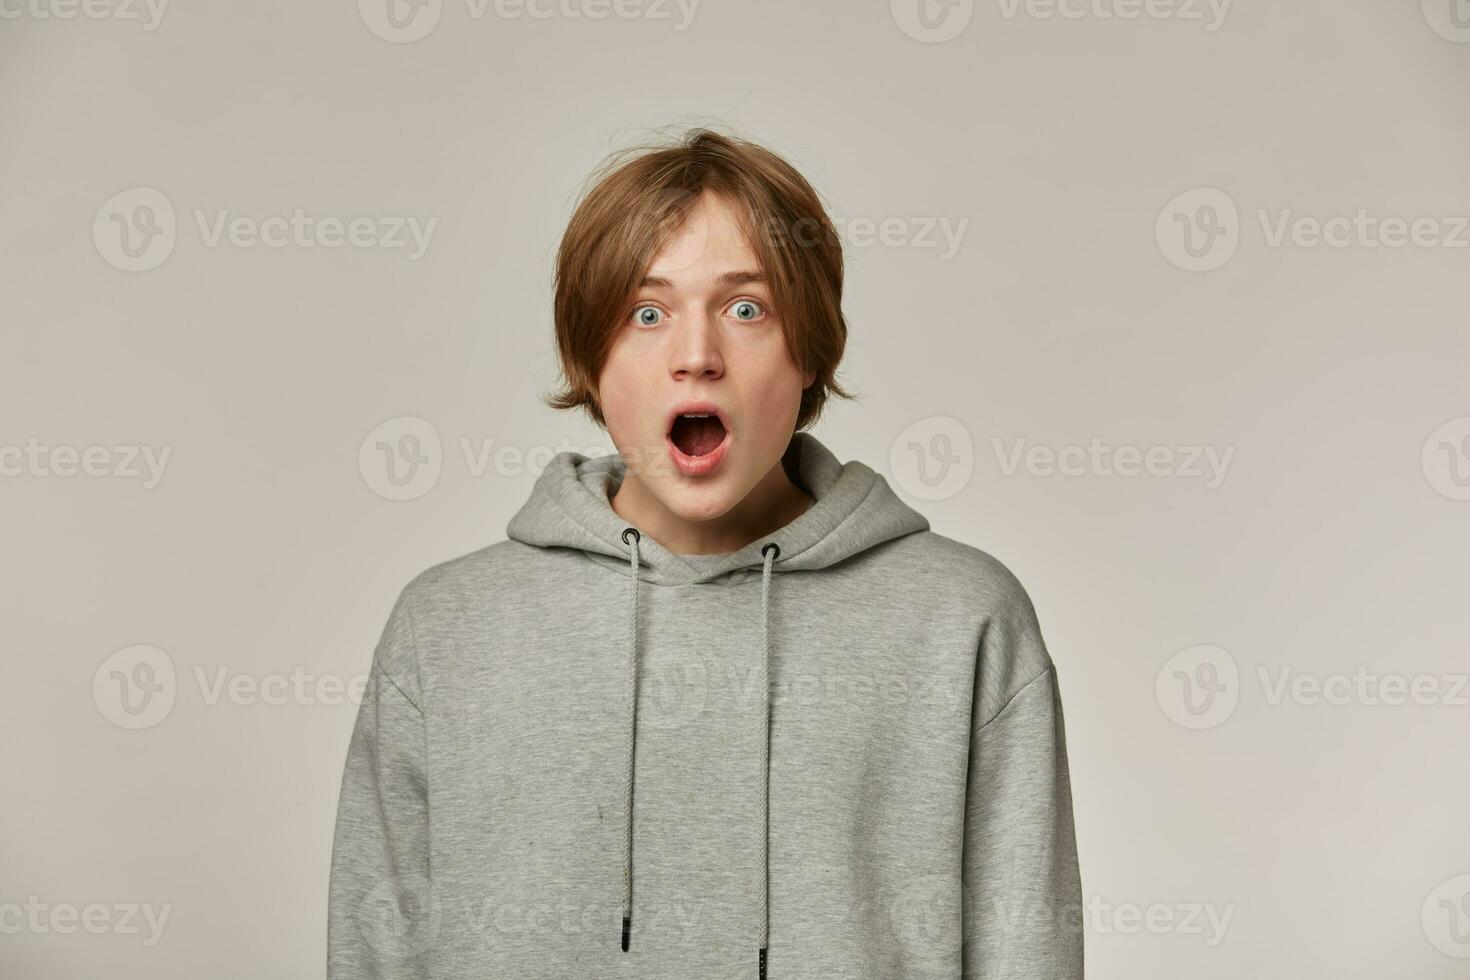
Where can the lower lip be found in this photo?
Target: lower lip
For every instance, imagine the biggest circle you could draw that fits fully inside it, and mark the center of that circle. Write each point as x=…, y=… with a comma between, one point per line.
x=698, y=465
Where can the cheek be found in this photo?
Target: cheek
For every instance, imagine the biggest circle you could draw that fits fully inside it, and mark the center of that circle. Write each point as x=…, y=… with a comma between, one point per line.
x=776, y=399
x=621, y=387
x=782, y=375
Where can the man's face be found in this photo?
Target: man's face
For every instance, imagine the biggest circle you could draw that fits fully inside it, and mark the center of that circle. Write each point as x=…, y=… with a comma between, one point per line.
x=701, y=329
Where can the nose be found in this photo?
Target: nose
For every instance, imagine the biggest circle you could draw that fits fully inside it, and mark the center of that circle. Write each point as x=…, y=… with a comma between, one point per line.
x=696, y=348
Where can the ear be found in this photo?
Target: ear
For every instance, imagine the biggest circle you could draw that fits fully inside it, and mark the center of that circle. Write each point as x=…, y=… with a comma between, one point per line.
x=808, y=379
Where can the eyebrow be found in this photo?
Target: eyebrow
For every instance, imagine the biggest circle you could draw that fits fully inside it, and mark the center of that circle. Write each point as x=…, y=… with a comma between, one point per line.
x=724, y=279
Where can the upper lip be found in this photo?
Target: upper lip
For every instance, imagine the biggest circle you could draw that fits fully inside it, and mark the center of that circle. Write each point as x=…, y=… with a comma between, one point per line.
x=696, y=408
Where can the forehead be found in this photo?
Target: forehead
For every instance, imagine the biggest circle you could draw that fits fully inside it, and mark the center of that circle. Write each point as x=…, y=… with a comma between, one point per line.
x=710, y=242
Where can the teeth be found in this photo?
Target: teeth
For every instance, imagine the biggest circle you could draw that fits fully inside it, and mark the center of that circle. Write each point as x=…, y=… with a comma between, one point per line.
x=692, y=415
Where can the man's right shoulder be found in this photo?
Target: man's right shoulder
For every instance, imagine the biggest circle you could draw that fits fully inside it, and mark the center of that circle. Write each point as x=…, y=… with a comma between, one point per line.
x=464, y=596
x=481, y=572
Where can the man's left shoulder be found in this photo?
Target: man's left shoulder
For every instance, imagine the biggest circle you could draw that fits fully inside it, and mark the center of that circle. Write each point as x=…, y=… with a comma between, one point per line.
x=962, y=572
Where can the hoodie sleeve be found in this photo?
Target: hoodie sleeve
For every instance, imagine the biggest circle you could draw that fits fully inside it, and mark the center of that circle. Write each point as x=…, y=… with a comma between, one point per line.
x=379, y=914
x=1022, y=887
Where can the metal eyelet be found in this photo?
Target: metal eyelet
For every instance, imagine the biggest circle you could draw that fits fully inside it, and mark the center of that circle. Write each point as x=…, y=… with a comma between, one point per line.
x=771, y=545
x=633, y=531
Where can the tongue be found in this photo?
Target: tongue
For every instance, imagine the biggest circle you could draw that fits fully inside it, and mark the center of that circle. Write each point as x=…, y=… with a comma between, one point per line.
x=695, y=437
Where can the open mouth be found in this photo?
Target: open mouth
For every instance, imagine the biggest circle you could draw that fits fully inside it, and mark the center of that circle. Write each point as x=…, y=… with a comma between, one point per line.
x=697, y=434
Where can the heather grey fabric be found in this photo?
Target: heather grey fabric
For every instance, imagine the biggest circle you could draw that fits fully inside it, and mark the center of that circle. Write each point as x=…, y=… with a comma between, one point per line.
x=850, y=750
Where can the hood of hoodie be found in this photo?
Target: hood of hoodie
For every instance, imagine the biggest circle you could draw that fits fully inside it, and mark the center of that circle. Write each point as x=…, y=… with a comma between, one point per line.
x=855, y=509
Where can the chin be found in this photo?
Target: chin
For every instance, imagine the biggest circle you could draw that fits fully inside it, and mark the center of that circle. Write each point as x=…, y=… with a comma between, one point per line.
x=699, y=501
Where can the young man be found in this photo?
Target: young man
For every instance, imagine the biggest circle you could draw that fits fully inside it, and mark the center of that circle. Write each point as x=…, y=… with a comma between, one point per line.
x=721, y=705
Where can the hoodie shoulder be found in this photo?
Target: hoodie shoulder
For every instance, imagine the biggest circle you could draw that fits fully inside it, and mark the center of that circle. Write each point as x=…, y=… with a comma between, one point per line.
x=1010, y=649
x=470, y=573
x=981, y=577
x=465, y=595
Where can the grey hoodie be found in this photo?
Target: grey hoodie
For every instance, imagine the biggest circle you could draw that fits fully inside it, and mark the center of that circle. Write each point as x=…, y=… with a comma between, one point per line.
x=835, y=753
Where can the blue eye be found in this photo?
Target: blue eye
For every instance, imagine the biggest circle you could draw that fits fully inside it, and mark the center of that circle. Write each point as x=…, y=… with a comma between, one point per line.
x=647, y=316
x=747, y=310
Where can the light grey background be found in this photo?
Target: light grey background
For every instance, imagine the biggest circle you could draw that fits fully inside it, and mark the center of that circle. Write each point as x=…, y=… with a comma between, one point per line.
x=1332, y=547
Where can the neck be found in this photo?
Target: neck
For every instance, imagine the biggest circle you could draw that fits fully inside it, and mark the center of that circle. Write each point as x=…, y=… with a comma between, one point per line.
x=770, y=505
